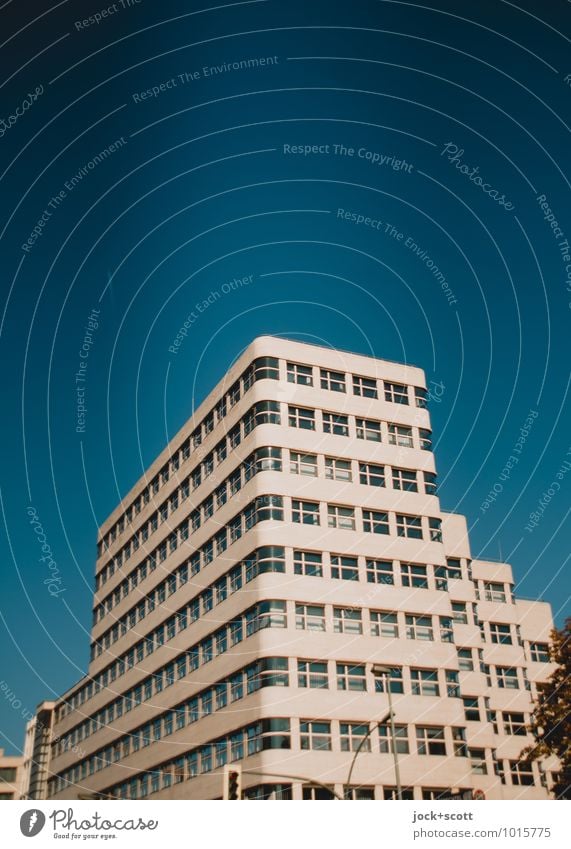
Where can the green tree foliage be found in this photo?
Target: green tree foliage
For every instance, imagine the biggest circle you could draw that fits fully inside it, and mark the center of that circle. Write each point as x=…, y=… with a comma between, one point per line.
x=551, y=721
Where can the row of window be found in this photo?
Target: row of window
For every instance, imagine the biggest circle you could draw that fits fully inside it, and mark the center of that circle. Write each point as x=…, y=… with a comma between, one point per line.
x=266, y=672
x=373, y=430
x=263, y=459
x=261, y=368
x=514, y=723
x=306, y=735
x=264, y=559
x=267, y=412
x=347, y=470
x=365, y=387
x=351, y=518
x=312, y=792
x=261, y=413
x=279, y=559
x=506, y=634
x=310, y=617
x=271, y=507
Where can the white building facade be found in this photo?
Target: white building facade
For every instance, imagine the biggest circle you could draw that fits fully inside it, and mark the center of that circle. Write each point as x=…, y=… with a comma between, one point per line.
x=287, y=543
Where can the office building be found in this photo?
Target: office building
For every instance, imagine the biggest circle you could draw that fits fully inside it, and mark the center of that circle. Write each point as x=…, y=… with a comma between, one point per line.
x=281, y=565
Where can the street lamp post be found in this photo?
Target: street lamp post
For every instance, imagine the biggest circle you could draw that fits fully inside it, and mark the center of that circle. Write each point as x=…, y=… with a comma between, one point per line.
x=386, y=672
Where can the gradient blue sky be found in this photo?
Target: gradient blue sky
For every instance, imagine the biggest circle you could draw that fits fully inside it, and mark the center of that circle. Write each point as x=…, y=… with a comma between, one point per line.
x=202, y=193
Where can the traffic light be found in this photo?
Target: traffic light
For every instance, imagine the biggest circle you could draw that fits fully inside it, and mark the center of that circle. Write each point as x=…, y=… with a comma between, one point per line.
x=232, y=782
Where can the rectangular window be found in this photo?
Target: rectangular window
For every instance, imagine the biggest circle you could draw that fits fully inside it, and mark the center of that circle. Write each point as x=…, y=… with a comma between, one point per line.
x=394, y=677
x=390, y=793
x=465, y=662
x=235, y=528
x=336, y=424
x=297, y=373
x=384, y=623
x=263, y=460
x=264, y=412
x=301, y=417
x=430, y=740
x=435, y=529
x=353, y=737
x=196, y=477
x=265, y=367
x=237, y=746
x=539, y=652
x=347, y=620
x=221, y=451
x=366, y=387
x=514, y=724
x=396, y=393
x=419, y=627
x=350, y=677
x=521, y=773
x=371, y=475
x=471, y=708
x=332, y=380
x=425, y=439
x=507, y=677
x=273, y=672
x=370, y=430
x=341, y=517
x=307, y=563
x=409, y=526
x=380, y=572
x=453, y=568
x=234, y=393
x=478, y=764
x=305, y=512
x=446, y=629
x=355, y=793
x=236, y=632
x=494, y=592
x=452, y=684
x=337, y=469
x=400, y=435
x=221, y=639
x=303, y=464
x=271, y=614
x=424, y=682
x=235, y=481
x=500, y=633
x=237, y=687
x=413, y=575
x=405, y=480
x=400, y=737
x=312, y=674
x=375, y=522
x=310, y=617
x=234, y=436
x=420, y=397
x=315, y=735
x=459, y=614
x=345, y=568
x=430, y=483
x=311, y=793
